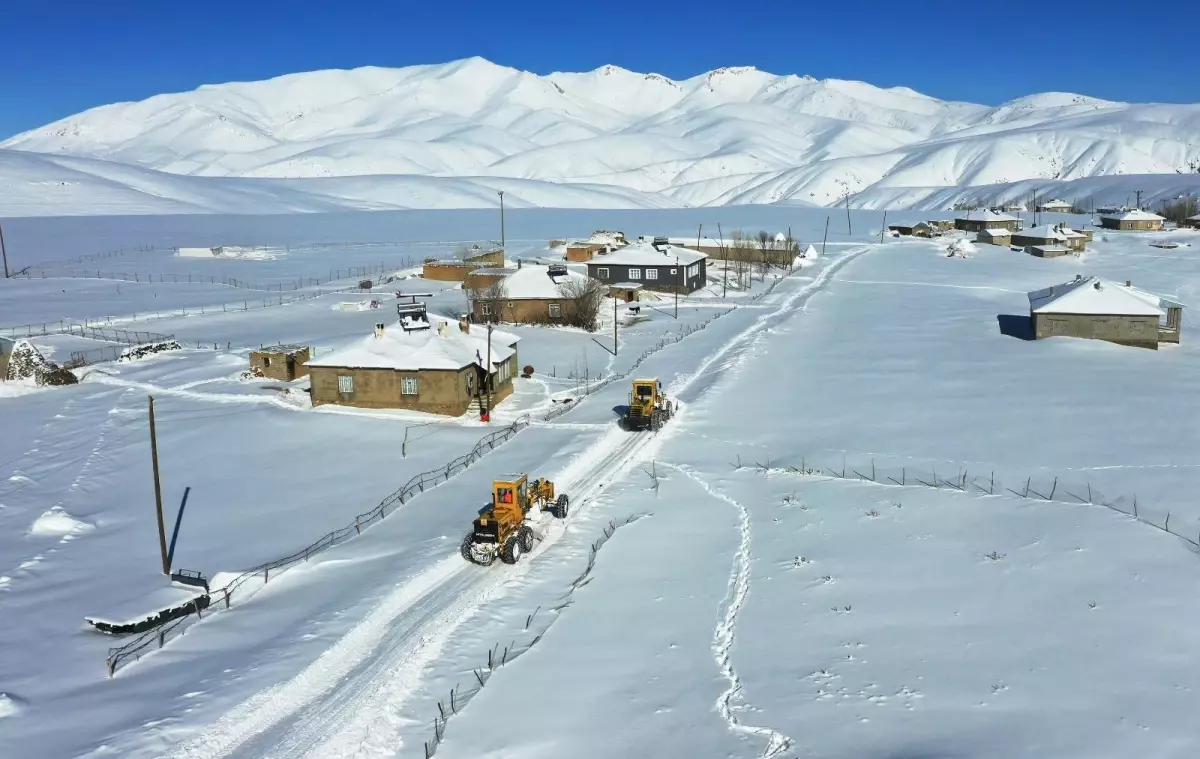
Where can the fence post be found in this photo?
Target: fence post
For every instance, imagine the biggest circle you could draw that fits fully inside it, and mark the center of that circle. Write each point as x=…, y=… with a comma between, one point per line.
x=226, y=598
x=357, y=529
x=266, y=574
x=1167, y=526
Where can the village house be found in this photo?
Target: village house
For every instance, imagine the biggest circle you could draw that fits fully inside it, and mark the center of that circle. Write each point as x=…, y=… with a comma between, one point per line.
x=601, y=240
x=454, y=270
x=1059, y=235
x=975, y=221
x=1094, y=308
x=920, y=229
x=994, y=237
x=1055, y=206
x=531, y=294
x=423, y=362
x=780, y=250
x=1193, y=221
x=660, y=266
x=1047, y=251
x=280, y=362
x=1132, y=220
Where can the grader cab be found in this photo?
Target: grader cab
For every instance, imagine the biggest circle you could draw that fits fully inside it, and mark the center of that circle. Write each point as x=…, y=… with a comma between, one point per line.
x=500, y=529
x=649, y=407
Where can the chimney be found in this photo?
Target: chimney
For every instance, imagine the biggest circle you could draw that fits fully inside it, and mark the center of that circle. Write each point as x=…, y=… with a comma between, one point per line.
x=1078, y=277
x=464, y=323
x=379, y=330
x=1129, y=283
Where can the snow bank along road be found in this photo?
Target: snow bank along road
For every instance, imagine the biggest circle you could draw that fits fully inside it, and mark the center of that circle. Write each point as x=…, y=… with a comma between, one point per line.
x=337, y=705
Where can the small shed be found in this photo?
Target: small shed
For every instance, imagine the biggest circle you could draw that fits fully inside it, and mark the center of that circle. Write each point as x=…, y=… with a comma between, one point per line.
x=1097, y=309
x=280, y=362
x=1193, y=221
x=626, y=291
x=995, y=237
x=1136, y=219
x=1047, y=251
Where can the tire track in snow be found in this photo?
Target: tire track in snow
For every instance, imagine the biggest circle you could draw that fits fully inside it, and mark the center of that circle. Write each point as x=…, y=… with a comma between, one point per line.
x=729, y=702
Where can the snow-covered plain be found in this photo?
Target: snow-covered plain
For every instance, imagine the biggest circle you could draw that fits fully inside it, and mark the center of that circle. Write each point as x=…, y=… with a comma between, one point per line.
x=751, y=613
x=450, y=135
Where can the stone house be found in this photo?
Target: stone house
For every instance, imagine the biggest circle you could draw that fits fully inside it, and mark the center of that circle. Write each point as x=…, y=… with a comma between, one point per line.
x=600, y=240
x=458, y=271
x=531, y=294
x=920, y=229
x=1059, y=235
x=995, y=237
x=662, y=267
x=1055, y=206
x=1132, y=220
x=978, y=220
x=1093, y=308
x=422, y=363
x=280, y=362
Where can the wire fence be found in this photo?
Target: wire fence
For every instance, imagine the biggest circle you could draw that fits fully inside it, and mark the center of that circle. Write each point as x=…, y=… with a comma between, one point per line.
x=984, y=482
x=499, y=655
x=156, y=638
x=300, y=283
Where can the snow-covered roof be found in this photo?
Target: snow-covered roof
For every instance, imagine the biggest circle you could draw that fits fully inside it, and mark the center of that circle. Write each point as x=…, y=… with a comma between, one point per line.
x=644, y=254
x=1056, y=204
x=628, y=285
x=1092, y=295
x=533, y=282
x=986, y=215
x=998, y=232
x=601, y=237
x=443, y=346
x=1194, y=218
x=1134, y=215
x=1044, y=232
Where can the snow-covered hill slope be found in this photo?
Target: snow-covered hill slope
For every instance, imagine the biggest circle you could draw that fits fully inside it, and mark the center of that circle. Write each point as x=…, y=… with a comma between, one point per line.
x=734, y=135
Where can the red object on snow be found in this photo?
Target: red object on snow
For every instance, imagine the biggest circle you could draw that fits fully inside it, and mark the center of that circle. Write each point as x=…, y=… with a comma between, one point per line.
x=484, y=416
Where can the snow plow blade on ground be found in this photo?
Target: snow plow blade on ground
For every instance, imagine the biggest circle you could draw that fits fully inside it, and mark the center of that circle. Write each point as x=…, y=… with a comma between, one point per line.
x=500, y=528
x=649, y=408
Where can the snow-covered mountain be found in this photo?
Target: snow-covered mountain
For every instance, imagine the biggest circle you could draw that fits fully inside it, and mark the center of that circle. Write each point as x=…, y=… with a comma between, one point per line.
x=734, y=135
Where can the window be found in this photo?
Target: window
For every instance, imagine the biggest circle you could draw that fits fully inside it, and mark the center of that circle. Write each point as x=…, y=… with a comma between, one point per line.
x=601, y=272
x=485, y=309
x=694, y=271
x=345, y=384
x=674, y=271
x=266, y=361
x=651, y=273
x=635, y=273
x=555, y=311
x=408, y=386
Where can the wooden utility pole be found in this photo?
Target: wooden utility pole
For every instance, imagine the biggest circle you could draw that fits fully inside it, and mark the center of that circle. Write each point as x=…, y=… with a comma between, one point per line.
x=724, y=279
x=501, y=194
x=162, y=530
x=677, y=285
x=3, y=252
x=826, y=237
x=614, y=300
x=487, y=372
x=698, y=231
x=1139, y=199
x=883, y=228
x=849, y=229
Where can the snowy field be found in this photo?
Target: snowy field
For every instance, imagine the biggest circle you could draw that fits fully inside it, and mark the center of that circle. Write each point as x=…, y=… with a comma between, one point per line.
x=750, y=612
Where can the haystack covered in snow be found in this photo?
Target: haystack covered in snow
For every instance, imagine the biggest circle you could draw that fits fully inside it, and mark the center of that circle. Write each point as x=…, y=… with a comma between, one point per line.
x=1135, y=219
x=975, y=221
x=423, y=362
x=531, y=294
x=1095, y=308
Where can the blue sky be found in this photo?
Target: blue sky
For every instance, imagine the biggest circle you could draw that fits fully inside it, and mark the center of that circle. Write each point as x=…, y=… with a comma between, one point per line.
x=65, y=56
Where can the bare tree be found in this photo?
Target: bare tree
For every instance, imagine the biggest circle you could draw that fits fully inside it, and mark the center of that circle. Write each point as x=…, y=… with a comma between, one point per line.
x=584, y=297
x=1178, y=210
x=740, y=255
x=486, y=298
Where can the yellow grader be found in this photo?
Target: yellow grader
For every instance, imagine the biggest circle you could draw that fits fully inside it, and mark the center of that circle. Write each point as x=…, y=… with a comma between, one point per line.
x=500, y=528
x=649, y=407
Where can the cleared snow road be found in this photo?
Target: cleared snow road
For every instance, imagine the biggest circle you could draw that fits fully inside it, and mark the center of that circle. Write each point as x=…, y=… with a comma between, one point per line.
x=346, y=702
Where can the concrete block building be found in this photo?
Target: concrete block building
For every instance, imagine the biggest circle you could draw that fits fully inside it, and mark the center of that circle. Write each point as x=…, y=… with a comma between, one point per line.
x=280, y=362
x=1097, y=309
x=975, y=221
x=662, y=267
x=1132, y=220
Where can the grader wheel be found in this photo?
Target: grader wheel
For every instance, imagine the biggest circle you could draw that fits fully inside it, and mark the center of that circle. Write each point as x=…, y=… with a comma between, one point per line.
x=561, y=506
x=525, y=535
x=465, y=550
x=511, y=552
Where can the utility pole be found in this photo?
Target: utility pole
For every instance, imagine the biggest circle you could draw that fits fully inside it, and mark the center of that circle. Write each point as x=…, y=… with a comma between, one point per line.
x=725, y=254
x=162, y=530
x=501, y=194
x=826, y=237
x=698, y=231
x=677, y=285
x=487, y=371
x=883, y=228
x=1139, y=199
x=614, y=300
x=849, y=229
x=3, y=252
